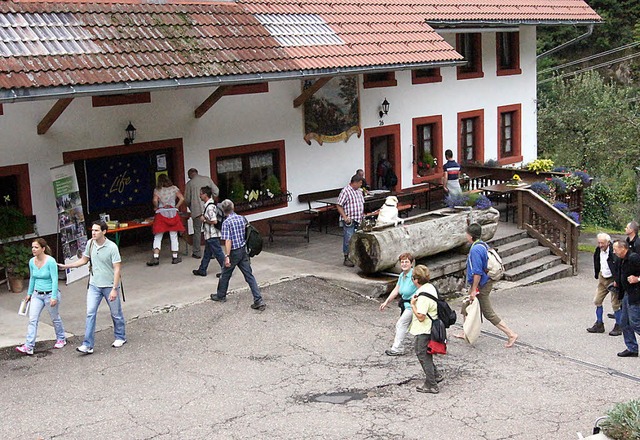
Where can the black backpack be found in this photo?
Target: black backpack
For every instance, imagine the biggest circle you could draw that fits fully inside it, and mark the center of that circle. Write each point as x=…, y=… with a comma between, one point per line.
x=220, y=217
x=253, y=239
x=445, y=313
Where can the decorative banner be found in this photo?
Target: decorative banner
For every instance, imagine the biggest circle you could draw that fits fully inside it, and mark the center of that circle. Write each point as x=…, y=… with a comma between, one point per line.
x=332, y=114
x=118, y=182
x=73, y=235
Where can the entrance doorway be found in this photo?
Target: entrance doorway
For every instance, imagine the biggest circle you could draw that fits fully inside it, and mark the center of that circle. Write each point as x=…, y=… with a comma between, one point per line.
x=382, y=157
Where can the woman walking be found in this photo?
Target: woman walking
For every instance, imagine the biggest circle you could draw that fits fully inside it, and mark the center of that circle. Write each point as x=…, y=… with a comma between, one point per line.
x=406, y=289
x=166, y=219
x=43, y=292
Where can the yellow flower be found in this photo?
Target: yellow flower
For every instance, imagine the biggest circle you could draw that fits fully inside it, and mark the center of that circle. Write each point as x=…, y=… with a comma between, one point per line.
x=516, y=178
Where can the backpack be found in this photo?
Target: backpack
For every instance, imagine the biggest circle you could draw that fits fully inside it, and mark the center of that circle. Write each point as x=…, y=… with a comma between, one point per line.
x=495, y=268
x=220, y=217
x=445, y=313
x=253, y=239
x=390, y=178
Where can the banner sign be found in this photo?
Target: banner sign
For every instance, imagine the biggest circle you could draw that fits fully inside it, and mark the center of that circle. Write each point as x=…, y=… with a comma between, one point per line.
x=73, y=233
x=118, y=182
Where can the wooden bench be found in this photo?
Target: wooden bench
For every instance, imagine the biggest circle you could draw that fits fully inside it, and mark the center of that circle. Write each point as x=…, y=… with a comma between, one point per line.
x=289, y=227
x=319, y=212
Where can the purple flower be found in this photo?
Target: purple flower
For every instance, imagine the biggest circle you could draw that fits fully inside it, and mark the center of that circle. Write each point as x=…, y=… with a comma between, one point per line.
x=574, y=216
x=583, y=176
x=540, y=188
x=456, y=200
x=560, y=170
x=561, y=187
x=483, y=202
x=561, y=206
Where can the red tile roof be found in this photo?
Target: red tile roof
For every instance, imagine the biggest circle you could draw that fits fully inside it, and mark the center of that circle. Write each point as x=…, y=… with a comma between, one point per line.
x=57, y=43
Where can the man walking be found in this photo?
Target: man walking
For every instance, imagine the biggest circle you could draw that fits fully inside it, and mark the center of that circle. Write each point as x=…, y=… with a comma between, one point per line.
x=450, y=182
x=351, y=210
x=235, y=254
x=628, y=280
x=481, y=284
x=604, y=264
x=211, y=233
x=632, y=237
x=192, y=198
x=104, y=282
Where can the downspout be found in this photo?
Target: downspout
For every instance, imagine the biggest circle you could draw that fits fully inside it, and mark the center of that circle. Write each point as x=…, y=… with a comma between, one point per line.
x=568, y=43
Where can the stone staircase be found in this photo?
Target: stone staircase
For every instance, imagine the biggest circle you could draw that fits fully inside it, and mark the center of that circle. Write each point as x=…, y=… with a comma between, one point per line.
x=526, y=262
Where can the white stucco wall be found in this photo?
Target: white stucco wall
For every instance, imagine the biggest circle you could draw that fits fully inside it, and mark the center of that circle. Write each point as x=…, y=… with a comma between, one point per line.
x=245, y=119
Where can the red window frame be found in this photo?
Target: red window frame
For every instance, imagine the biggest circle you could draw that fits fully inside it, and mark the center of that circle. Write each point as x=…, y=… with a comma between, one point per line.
x=433, y=76
x=245, y=150
x=122, y=99
x=513, y=68
x=478, y=136
x=1, y=110
x=379, y=79
x=436, y=147
x=21, y=171
x=474, y=68
x=516, y=134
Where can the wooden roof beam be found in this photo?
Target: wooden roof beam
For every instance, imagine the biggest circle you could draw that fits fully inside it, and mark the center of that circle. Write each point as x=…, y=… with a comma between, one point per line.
x=53, y=115
x=310, y=91
x=210, y=101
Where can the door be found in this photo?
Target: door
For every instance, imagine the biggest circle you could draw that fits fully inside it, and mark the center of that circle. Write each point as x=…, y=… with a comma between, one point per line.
x=382, y=157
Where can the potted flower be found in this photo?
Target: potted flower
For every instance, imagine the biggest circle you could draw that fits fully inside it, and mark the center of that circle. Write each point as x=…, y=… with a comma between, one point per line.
x=13, y=223
x=427, y=165
x=515, y=181
x=15, y=259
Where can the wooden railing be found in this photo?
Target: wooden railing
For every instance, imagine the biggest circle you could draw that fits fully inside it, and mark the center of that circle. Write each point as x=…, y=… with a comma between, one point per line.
x=551, y=227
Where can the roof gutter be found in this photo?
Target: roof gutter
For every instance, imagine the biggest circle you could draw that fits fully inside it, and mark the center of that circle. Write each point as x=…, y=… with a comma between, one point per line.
x=502, y=23
x=567, y=43
x=77, y=91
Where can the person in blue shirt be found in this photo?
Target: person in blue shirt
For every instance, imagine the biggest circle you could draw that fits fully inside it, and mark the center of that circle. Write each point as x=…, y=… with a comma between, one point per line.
x=406, y=289
x=481, y=284
x=43, y=292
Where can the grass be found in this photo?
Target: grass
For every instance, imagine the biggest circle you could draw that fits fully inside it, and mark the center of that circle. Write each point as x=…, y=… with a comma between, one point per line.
x=594, y=229
x=586, y=248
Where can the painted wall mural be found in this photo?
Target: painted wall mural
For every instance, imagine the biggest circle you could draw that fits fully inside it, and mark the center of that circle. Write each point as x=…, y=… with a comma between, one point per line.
x=332, y=114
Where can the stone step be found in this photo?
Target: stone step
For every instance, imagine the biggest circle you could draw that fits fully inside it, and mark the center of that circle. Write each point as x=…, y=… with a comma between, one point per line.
x=500, y=241
x=552, y=273
x=514, y=247
x=524, y=257
x=520, y=272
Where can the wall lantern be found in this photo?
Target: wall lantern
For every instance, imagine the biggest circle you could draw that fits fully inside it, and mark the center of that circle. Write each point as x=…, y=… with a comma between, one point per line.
x=384, y=108
x=131, y=134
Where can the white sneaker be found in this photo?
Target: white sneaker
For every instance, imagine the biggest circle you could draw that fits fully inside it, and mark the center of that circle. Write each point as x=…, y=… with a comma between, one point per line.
x=84, y=349
x=119, y=343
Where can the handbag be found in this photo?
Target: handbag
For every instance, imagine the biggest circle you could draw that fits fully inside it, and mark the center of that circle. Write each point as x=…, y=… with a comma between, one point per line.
x=438, y=342
x=472, y=322
x=434, y=347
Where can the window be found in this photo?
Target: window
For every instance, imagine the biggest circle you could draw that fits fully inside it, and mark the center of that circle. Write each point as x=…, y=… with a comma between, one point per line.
x=16, y=187
x=256, y=171
x=424, y=76
x=427, y=139
x=471, y=140
x=470, y=47
x=110, y=100
x=509, y=138
x=379, y=79
x=508, y=53
x=1, y=110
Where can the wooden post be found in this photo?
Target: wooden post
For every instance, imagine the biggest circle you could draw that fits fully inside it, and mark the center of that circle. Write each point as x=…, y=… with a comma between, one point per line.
x=53, y=114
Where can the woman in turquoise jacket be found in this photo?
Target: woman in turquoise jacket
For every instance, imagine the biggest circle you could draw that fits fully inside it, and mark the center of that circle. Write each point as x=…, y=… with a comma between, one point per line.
x=43, y=292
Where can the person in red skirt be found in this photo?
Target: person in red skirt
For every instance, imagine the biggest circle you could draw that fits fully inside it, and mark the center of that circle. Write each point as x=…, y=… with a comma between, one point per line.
x=167, y=198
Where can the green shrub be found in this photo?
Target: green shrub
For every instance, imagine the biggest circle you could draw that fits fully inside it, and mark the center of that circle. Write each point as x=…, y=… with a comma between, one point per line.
x=273, y=185
x=623, y=421
x=598, y=199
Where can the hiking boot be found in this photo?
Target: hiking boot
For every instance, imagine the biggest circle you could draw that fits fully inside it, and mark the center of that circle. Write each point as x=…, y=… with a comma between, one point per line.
x=616, y=331
x=60, y=343
x=439, y=378
x=153, y=262
x=393, y=353
x=598, y=327
x=199, y=273
x=426, y=389
x=216, y=298
x=84, y=349
x=348, y=262
x=24, y=349
x=176, y=260
x=258, y=306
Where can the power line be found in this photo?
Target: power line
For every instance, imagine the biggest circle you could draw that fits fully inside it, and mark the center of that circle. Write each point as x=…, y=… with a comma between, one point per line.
x=589, y=58
x=587, y=69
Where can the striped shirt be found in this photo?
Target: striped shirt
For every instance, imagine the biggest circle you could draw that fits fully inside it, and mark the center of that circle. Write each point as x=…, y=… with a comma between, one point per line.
x=352, y=201
x=233, y=228
x=452, y=168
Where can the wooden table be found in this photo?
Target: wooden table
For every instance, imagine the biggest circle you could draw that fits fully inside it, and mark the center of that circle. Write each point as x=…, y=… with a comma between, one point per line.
x=130, y=226
x=506, y=191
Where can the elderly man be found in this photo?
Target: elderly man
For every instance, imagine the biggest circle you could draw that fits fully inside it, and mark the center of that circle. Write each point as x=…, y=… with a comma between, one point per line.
x=351, y=210
x=628, y=279
x=192, y=198
x=604, y=264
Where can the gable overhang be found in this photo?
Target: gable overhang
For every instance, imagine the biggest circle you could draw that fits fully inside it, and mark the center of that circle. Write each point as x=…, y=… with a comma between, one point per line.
x=77, y=91
x=443, y=24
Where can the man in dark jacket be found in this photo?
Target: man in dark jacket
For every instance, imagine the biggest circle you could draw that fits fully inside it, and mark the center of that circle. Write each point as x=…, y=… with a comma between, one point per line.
x=604, y=265
x=628, y=280
x=632, y=237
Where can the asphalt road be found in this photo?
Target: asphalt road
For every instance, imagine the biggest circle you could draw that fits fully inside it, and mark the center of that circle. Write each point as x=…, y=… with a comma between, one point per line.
x=224, y=371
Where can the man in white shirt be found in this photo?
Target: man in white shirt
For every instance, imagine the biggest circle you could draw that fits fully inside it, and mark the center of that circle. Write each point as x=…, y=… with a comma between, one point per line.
x=604, y=264
x=192, y=198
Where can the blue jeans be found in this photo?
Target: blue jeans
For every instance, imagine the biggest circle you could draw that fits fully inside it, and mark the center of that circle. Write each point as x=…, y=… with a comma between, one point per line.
x=94, y=298
x=39, y=302
x=212, y=248
x=348, y=232
x=239, y=257
x=630, y=323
